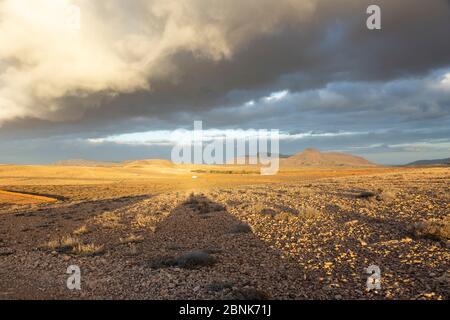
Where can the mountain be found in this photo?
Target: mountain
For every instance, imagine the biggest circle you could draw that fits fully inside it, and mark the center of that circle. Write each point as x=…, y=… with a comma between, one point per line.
x=148, y=163
x=313, y=157
x=85, y=163
x=435, y=162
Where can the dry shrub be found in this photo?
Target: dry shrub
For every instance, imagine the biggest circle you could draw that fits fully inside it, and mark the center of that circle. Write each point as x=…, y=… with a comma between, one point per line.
x=63, y=245
x=268, y=212
x=309, y=213
x=190, y=260
x=143, y=221
x=110, y=220
x=387, y=196
x=436, y=229
x=81, y=230
x=379, y=195
x=195, y=259
x=132, y=239
x=72, y=245
x=366, y=195
x=284, y=208
x=284, y=216
x=241, y=228
x=203, y=205
x=88, y=249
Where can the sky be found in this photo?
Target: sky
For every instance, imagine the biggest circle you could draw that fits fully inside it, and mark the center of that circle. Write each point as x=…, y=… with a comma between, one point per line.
x=111, y=79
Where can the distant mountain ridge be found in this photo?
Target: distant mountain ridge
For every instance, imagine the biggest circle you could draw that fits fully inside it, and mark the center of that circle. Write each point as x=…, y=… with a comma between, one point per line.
x=309, y=157
x=126, y=164
x=313, y=157
x=147, y=163
x=435, y=162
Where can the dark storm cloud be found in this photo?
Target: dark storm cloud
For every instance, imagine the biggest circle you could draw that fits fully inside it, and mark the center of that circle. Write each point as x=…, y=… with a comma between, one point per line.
x=327, y=43
x=207, y=59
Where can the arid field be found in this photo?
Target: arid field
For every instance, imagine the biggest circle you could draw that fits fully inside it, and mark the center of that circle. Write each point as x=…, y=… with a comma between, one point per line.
x=153, y=230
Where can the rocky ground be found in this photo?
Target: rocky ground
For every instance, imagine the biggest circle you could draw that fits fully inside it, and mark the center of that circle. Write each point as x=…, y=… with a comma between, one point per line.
x=302, y=240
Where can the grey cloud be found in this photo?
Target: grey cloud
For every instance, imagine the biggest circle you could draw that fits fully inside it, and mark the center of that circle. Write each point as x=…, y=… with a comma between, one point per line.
x=262, y=46
x=152, y=65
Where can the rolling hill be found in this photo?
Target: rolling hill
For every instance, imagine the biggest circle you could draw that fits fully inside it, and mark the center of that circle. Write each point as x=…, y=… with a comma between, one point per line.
x=435, y=162
x=85, y=163
x=313, y=157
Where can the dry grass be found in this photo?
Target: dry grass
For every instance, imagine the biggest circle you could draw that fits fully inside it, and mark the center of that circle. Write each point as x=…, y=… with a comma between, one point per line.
x=142, y=220
x=109, y=220
x=81, y=230
x=284, y=216
x=132, y=239
x=72, y=245
x=88, y=249
x=63, y=245
x=310, y=213
x=387, y=196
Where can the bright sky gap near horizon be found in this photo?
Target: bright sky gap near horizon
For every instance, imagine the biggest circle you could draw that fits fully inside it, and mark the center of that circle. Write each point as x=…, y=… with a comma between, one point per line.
x=134, y=71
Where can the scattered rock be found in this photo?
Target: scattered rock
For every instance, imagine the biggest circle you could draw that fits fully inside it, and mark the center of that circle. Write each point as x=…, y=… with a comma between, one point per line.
x=249, y=294
x=217, y=286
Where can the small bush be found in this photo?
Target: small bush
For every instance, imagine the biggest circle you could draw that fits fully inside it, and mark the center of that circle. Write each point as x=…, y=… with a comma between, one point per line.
x=310, y=213
x=433, y=229
x=284, y=216
x=192, y=199
x=195, y=259
x=287, y=209
x=366, y=195
x=268, y=212
x=386, y=196
x=202, y=205
x=217, y=286
x=81, y=230
x=190, y=260
x=132, y=239
x=73, y=246
x=379, y=195
x=63, y=245
x=241, y=228
x=88, y=250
